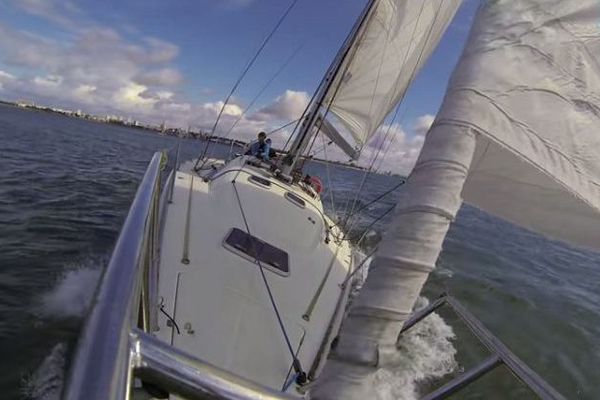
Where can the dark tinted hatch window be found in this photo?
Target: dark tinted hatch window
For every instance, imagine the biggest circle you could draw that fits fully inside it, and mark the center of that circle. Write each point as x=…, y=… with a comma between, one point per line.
x=259, y=180
x=294, y=198
x=258, y=250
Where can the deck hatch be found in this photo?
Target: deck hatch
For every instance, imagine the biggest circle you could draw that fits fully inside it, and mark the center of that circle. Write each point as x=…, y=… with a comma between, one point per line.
x=294, y=198
x=259, y=181
x=272, y=257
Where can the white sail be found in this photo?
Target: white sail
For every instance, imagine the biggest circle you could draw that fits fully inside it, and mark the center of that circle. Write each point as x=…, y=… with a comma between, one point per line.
x=529, y=84
x=397, y=39
x=522, y=115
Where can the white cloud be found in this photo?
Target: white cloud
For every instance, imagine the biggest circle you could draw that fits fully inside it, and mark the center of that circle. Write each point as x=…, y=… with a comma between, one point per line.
x=164, y=95
x=61, y=12
x=108, y=74
x=230, y=109
x=423, y=123
x=48, y=81
x=288, y=106
x=160, y=51
x=160, y=77
x=130, y=96
x=5, y=78
x=392, y=148
x=234, y=3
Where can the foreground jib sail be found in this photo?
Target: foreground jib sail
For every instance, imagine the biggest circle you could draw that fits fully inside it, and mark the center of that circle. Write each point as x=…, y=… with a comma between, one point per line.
x=396, y=40
x=528, y=84
x=518, y=135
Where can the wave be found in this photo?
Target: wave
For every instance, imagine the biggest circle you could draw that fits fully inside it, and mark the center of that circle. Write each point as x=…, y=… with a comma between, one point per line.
x=72, y=294
x=69, y=298
x=47, y=380
x=424, y=353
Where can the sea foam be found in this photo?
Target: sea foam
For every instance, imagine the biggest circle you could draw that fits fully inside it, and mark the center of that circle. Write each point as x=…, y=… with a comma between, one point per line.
x=47, y=380
x=69, y=298
x=424, y=353
x=72, y=294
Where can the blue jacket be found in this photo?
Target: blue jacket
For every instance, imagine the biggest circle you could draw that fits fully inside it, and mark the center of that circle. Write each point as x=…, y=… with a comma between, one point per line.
x=260, y=150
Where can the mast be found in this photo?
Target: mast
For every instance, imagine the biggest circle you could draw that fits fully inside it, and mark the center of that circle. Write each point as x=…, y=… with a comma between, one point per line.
x=306, y=132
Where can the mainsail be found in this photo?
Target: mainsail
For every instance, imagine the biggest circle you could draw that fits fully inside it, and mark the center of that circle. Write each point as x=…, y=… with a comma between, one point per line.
x=397, y=39
x=518, y=135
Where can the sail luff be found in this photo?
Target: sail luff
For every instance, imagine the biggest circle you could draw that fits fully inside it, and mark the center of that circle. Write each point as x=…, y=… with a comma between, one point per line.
x=330, y=80
x=400, y=37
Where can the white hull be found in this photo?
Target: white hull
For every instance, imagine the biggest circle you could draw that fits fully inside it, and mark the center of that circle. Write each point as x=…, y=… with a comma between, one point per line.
x=219, y=299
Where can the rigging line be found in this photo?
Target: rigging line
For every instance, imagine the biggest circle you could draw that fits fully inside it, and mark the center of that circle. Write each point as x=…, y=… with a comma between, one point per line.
x=329, y=181
x=264, y=88
x=358, y=267
x=296, y=361
x=387, y=41
x=319, y=97
x=366, y=174
x=395, y=136
x=245, y=145
x=282, y=127
x=376, y=220
x=312, y=143
x=413, y=72
x=385, y=153
x=354, y=214
x=244, y=72
x=321, y=149
x=398, y=106
x=412, y=40
x=375, y=200
x=169, y=318
x=400, y=122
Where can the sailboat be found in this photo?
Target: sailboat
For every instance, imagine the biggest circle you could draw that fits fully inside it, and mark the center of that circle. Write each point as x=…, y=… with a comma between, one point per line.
x=209, y=296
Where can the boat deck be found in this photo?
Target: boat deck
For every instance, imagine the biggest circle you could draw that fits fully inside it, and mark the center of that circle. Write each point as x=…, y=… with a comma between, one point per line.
x=214, y=289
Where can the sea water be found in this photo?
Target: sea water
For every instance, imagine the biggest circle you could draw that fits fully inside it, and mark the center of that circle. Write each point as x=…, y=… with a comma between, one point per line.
x=65, y=189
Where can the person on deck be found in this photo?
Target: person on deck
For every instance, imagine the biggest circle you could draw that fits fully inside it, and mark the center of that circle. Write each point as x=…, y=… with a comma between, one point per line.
x=269, y=150
x=260, y=148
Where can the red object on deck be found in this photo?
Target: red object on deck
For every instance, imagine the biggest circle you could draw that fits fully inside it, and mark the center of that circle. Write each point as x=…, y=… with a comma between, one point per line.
x=316, y=183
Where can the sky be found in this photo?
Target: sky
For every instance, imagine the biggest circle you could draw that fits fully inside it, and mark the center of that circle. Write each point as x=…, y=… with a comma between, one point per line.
x=176, y=61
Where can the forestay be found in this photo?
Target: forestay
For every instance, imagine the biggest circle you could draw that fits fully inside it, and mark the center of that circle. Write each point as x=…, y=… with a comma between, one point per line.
x=529, y=84
x=397, y=39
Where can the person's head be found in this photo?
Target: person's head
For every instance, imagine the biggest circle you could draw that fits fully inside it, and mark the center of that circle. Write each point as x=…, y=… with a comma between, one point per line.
x=268, y=141
x=262, y=136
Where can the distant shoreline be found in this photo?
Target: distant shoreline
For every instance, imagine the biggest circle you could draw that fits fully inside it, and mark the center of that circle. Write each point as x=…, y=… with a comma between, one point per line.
x=160, y=130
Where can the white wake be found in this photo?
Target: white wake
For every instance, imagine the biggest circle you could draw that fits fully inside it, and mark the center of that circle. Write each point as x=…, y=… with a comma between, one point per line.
x=69, y=298
x=45, y=383
x=425, y=352
x=72, y=294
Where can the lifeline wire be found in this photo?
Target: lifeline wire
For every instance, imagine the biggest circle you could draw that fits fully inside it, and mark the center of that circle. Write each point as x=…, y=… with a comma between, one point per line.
x=413, y=72
x=296, y=362
x=248, y=66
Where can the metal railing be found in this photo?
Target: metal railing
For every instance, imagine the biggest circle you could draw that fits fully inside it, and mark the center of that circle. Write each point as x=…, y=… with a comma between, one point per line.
x=116, y=351
x=501, y=355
